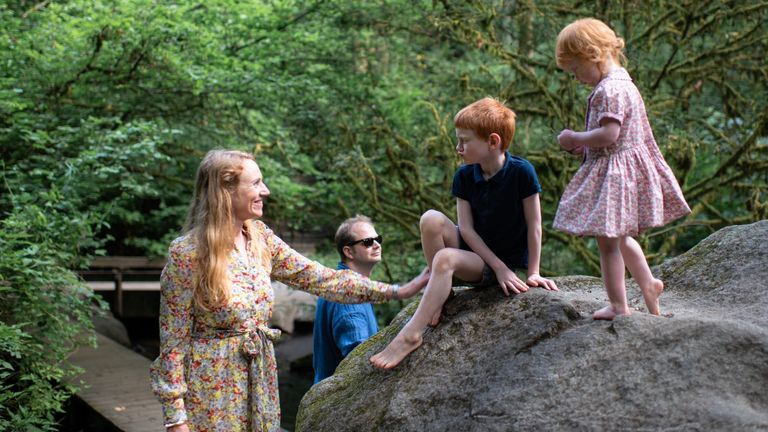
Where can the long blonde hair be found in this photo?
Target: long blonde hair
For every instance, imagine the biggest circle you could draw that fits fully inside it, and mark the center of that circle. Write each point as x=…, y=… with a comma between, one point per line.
x=210, y=221
x=589, y=39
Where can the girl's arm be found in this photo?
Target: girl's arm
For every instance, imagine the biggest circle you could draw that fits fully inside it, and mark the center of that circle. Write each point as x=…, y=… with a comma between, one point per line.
x=532, y=211
x=603, y=136
x=507, y=278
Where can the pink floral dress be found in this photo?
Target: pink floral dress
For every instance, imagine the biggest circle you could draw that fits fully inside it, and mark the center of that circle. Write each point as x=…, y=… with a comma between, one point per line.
x=627, y=187
x=216, y=370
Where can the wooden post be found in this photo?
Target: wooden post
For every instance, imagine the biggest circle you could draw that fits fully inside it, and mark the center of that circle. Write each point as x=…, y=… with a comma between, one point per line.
x=118, y=293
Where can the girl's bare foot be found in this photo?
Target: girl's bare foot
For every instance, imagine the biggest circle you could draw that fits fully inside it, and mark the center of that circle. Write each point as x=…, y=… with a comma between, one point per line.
x=397, y=350
x=651, y=296
x=608, y=313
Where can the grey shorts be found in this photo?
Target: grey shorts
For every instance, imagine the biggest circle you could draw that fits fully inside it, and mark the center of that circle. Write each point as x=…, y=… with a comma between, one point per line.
x=487, y=279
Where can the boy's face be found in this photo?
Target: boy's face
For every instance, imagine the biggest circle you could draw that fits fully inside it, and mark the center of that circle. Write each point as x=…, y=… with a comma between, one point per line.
x=471, y=147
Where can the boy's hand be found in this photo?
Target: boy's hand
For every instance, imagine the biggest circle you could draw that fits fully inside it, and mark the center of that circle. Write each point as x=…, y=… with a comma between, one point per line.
x=535, y=280
x=508, y=281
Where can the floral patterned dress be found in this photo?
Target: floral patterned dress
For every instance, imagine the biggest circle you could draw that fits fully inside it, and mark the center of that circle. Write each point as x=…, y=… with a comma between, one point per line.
x=627, y=187
x=216, y=370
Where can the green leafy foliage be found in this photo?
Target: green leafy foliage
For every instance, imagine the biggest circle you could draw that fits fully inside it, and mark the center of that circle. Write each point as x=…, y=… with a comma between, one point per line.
x=106, y=108
x=46, y=311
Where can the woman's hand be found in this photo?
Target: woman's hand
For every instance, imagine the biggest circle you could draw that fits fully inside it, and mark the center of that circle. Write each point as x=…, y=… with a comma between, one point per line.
x=414, y=286
x=178, y=428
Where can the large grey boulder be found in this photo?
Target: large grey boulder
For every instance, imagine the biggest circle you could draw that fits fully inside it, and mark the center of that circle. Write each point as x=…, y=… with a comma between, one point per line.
x=538, y=362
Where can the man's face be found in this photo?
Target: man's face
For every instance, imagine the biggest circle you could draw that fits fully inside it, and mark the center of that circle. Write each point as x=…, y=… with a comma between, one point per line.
x=360, y=253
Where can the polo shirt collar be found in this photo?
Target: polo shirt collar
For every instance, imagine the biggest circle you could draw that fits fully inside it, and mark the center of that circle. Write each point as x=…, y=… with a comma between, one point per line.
x=499, y=176
x=342, y=266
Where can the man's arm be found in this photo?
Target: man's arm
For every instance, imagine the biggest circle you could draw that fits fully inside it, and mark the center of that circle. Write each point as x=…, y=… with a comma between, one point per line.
x=532, y=212
x=507, y=278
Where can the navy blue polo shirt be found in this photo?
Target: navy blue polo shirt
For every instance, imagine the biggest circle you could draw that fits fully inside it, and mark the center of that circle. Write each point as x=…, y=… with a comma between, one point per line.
x=497, y=206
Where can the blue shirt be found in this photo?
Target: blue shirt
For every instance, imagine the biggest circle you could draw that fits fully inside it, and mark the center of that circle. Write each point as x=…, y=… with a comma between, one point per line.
x=497, y=206
x=338, y=329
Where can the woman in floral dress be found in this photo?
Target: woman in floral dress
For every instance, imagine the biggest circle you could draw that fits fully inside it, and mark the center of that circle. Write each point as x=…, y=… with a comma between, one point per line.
x=216, y=370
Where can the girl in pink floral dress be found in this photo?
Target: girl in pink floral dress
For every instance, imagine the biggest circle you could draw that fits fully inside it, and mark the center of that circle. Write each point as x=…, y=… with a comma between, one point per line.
x=624, y=185
x=216, y=370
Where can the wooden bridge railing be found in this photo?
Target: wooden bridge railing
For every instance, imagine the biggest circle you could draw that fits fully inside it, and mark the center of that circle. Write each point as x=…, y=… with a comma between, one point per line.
x=123, y=273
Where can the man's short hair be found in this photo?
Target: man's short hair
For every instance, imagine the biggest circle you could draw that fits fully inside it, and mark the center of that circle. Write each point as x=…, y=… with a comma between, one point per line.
x=344, y=233
x=487, y=116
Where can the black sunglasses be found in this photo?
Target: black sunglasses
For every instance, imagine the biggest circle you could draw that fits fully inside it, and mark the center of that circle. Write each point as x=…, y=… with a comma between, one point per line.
x=367, y=242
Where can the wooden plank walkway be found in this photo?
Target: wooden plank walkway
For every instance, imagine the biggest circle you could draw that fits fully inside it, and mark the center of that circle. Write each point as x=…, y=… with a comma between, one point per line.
x=118, y=386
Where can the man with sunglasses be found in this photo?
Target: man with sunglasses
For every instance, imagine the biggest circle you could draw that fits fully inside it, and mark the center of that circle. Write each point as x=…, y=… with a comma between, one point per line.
x=339, y=328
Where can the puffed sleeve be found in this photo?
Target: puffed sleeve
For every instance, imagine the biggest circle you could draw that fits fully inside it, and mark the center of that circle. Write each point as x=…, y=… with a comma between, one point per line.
x=607, y=102
x=341, y=286
x=167, y=371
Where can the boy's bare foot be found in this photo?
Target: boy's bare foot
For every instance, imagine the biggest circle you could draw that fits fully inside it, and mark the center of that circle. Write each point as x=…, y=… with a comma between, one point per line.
x=651, y=296
x=397, y=350
x=436, y=319
x=608, y=313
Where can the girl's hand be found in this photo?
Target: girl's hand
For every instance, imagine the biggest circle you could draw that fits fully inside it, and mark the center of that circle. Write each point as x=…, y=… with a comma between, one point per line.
x=578, y=151
x=566, y=140
x=179, y=428
x=535, y=280
x=508, y=281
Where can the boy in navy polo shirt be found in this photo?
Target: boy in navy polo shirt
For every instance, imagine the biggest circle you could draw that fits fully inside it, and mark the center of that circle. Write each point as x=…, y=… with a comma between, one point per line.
x=499, y=223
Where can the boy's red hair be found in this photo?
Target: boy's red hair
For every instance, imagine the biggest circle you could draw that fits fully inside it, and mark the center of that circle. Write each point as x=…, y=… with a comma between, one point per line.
x=487, y=116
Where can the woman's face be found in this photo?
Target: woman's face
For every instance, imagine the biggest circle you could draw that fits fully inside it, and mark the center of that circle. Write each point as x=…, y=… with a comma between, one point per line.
x=248, y=199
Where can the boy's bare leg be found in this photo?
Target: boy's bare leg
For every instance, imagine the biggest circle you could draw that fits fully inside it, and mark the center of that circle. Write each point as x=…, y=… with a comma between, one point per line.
x=437, y=232
x=638, y=267
x=612, y=266
x=446, y=262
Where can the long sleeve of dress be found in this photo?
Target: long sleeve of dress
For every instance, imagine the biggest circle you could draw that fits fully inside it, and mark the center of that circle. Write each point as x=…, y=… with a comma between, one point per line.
x=167, y=371
x=341, y=286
